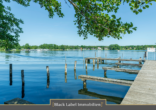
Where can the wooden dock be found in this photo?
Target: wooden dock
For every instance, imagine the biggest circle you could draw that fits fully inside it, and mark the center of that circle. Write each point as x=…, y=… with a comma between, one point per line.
x=114, y=99
x=106, y=80
x=128, y=64
x=143, y=89
x=120, y=69
x=118, y=59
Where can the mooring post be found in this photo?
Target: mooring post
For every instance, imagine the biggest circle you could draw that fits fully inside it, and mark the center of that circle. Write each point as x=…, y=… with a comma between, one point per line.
x=117, y=66
x=86, y=64
x=47, y=67
x=119, y=61
x=95, y=54
x=106, y=56
x=75, y=65
x=10, y=74
x=97, y=60
x=75, y=74
x=10, y=69
x=88, y=60
x=93, y=62
x=86, y=72
x=98, y=66
x=65, y=68
x=22, y=76
x=140, y=62
x=105, y=72
x=65, y=78
x=84, y=84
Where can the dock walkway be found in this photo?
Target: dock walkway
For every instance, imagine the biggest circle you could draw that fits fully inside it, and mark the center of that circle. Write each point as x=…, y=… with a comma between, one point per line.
x=143, y=89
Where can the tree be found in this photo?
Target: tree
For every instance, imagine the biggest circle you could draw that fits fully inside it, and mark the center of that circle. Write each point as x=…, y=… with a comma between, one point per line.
x=9, y=27
x=90, y=15
x=114, y=47
x=27, y=46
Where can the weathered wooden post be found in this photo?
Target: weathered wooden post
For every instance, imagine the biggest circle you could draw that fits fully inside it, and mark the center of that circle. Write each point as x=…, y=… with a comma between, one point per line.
x=10, y=74
x=98, y=66
x=97, y=60
x=93, y=65
x=86, y=72
x=84, y=84
x=65, y=78
x=117, y=66
x=93, y=62
x=75, y=74
x=106, y=56
x=75, y=65
x=140, y=62
x=88, y=60
x=95, y=54
x=105, y=73
x=86, y=63
x=119, y=61
x=10, y=69
x=22, y=77
x=47, y=67
x=65, y=68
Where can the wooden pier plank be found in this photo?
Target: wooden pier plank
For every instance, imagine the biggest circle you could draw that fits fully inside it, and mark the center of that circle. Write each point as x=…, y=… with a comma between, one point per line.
x=120, y=69
x=106, y=80
x=128, y=64
x=138, y=60
x=143, y=89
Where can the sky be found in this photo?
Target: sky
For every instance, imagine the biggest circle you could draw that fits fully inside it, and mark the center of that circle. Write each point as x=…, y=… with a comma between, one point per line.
x=38, y=28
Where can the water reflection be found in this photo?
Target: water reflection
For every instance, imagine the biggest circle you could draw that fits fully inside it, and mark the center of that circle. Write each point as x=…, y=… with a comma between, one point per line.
x=10, y=79
x=23, y=94
x=65, y=77
x=48, y=80
x=75, y=74
x=114, y=99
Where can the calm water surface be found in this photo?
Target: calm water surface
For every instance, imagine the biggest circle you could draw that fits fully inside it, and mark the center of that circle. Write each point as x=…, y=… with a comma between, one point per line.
x=63, y=86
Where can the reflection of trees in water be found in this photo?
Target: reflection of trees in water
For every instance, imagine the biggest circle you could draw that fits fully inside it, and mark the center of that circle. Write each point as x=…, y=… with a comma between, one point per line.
x=17, y=51
x=27, y=53
x=114, y=99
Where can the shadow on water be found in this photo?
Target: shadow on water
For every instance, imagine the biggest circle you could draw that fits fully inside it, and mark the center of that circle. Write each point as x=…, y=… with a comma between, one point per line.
x=85, y=91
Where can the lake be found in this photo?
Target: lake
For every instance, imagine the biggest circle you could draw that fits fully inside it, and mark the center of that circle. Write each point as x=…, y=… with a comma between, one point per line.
x=63, y=86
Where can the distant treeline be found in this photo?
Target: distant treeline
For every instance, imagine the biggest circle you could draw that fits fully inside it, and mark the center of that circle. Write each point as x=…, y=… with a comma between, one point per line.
x=64, y=47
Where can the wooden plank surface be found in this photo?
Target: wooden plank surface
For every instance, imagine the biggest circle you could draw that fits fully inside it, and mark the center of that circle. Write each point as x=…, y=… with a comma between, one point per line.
x=106, y=80
x=128, y=64
x=120, y=69
x=143, y=89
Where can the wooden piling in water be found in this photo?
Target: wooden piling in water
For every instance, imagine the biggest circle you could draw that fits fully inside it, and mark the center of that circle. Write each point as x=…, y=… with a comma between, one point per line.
x=65, y=78
x=10, y=69
x=65, y=68
x=105, y=72
x=119, y=61
x=75, y=74
x=95, y=54
x=47, y=67
x=93, y=62
x=10, y=74
x=98, y=66
x=22, y=76
x=86, y=63
x=75, y=65
x=140, y=61
x=84, y=84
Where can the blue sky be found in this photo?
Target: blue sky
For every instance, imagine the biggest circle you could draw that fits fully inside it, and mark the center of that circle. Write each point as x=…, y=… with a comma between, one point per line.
x=39, y=28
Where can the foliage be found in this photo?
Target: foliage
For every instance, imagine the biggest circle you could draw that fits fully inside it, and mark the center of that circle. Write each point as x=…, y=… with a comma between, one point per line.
x=114, y=47
x=92, y=17
x=9, y=27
